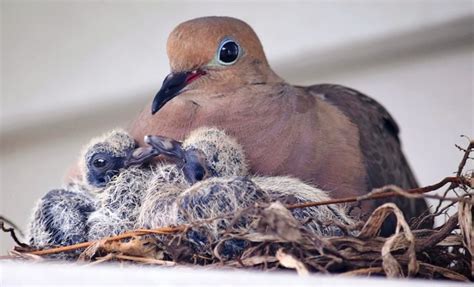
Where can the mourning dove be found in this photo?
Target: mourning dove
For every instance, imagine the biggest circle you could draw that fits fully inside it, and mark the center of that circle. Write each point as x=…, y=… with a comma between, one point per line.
x=227, y=189
x=60, y=218
x=328, y=135
x=112, y=166
x=104, y=203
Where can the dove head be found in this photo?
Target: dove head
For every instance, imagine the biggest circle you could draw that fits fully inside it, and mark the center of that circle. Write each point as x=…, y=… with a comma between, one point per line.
x=213, y=53
x=213, y=42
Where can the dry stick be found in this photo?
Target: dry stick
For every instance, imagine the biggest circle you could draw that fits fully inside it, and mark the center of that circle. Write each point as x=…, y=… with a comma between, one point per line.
x=461, y=166
x=435, y=214
x=145, y=260
x=465, y=158
x=398, y=190
x=379, y=193
x=169, y=230
x=439, y=235
x=163, y=230
x=99, y=260
x=11, y=223
x=11, y=230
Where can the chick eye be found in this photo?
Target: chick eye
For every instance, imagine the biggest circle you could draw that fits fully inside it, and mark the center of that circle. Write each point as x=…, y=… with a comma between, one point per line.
x=99, y=162
x=228, y=52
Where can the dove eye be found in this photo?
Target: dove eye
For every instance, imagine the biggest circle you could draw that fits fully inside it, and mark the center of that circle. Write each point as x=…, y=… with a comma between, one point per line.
x=228, y=52
x=99, y=163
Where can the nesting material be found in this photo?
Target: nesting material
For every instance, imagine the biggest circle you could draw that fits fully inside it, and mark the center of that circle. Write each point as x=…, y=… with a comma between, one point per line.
x=275, y=239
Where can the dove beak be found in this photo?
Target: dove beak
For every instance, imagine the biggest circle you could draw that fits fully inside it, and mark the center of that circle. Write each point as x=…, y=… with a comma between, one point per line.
x=172, y=86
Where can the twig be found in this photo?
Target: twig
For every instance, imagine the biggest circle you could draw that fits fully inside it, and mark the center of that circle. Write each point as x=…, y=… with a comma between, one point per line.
x=437, y=212
x=384, y=192
x=461, y=166
x=432, y=196
x=162, y=230
x=145, y=260
x=439, y=235
x=106, y=258
x=12, y=224
x=463, y=162
x=11, y=230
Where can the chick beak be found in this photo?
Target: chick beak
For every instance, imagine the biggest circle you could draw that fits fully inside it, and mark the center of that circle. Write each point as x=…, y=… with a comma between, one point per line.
x=140, y=156
x=172, y=85
x=195, y=166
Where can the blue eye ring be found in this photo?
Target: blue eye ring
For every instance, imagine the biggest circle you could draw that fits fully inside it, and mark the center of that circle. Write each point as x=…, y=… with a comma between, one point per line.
x=229, y=52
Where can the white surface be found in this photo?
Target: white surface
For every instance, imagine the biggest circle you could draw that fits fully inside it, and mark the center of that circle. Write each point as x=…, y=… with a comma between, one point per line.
x=72, y=275
x=72, y=70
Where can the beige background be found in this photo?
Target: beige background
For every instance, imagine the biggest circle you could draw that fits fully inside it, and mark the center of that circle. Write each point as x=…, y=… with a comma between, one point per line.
x=72, y=70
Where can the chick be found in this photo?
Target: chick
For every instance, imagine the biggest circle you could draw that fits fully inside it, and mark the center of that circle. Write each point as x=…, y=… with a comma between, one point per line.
x=319, y=219
x=206, y=153
x=158, y=206
x=112, y=166
x=200, y=156
x=104, y=157
x=221, y=154
x=224, y=196
x=69, y=215
x=118, y=203
x=214, y=165
x=60, y=217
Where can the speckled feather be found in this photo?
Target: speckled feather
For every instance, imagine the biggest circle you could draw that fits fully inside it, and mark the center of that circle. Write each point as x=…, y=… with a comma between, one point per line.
x=119, y=203
x=59, y=218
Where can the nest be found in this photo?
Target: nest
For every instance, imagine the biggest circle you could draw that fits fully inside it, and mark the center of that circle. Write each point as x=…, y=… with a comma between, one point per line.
x=276, y=240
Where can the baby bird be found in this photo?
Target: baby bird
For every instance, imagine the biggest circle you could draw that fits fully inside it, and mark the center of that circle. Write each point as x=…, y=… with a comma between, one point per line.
x=105, y=156
x=60, y=217
x=112, y=166
x=319, y=219
x=205, y=153
x=68, y=215
x=220, y=196
x=202, y=155
x=214, y=163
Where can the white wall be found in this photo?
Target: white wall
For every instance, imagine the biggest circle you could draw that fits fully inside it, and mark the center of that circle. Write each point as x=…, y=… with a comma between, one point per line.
x=72, y=70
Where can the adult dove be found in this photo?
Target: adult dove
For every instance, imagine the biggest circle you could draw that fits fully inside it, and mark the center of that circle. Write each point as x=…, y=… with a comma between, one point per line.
x=328, y=135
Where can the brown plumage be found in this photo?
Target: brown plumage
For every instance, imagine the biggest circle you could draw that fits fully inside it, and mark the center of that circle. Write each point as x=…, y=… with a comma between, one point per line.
x=331, y=136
